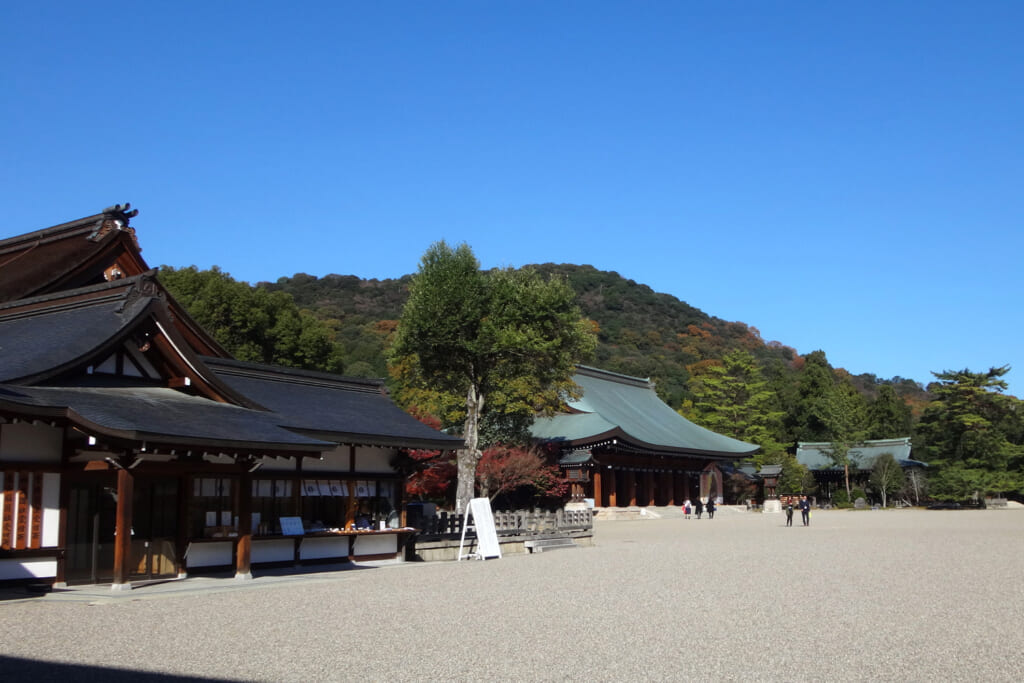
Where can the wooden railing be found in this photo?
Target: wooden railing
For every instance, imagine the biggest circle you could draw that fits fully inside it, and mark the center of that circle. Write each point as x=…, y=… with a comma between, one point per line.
x=513, y=523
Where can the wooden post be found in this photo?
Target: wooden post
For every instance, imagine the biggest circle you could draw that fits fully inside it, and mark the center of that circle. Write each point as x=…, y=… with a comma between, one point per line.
x=243, y=546
x=597, y=486
x=123, y=530
x=185, y=490
x=649, y=485
x=631, y=487
x=613, y=489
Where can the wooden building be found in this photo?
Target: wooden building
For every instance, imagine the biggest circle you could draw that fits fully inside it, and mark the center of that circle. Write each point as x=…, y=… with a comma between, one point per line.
x=620, y=445
x=132, y=446
x=830, y=477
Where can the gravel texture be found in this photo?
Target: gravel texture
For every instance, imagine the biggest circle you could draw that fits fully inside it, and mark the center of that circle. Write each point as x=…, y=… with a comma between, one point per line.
x=909, y=595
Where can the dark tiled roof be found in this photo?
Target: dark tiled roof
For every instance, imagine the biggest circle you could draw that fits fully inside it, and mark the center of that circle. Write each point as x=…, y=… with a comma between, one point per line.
x=33, y=262
x=346, y=410
x=158, y=415
x=34, y=339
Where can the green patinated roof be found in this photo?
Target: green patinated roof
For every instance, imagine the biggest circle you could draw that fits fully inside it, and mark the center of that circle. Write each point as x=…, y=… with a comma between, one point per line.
x=814, y=455
x=627, y=409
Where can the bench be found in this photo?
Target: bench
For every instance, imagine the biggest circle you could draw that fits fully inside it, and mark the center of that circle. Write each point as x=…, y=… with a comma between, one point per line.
x=540, y=545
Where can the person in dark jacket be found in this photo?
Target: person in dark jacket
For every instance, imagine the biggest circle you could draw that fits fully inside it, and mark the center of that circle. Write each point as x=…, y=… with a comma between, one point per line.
x=699, y=508
x=805, y=510
x=711, y=508
x=789, y=512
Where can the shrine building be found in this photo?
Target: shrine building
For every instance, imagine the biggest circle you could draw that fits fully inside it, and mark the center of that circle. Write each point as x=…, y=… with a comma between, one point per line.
x=622, y=446
x=133, y=447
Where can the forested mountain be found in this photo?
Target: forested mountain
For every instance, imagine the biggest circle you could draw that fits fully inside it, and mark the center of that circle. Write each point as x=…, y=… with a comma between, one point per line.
x=719, y=374
x=640, y=332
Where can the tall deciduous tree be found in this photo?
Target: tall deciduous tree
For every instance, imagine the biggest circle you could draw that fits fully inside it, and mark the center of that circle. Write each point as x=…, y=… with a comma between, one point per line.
x=506, y=341
x=886, y=476
x=845, y=415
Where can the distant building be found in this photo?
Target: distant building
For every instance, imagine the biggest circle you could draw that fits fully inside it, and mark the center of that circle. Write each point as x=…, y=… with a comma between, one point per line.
x=621, y=445
x=829, y=477
x=132, y=446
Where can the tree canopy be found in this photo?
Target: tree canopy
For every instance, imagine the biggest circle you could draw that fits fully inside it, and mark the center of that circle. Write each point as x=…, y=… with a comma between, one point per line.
x=505, y=341
x=252, y=323
x=973, y=434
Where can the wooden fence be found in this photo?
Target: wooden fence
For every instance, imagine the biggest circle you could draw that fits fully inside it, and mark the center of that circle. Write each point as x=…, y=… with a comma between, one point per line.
x=514, y=523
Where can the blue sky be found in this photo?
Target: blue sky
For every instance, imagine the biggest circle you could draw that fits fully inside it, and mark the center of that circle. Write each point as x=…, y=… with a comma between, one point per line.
x=844, y=177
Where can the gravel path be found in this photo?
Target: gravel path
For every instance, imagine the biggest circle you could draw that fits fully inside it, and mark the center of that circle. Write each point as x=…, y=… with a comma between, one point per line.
x=864, y=596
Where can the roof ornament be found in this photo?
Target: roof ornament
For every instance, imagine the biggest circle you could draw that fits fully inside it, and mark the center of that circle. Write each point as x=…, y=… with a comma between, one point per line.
x=115, y=218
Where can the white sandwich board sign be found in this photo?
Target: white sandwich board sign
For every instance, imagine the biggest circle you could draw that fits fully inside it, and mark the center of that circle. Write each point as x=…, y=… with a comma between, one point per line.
x=486, y=536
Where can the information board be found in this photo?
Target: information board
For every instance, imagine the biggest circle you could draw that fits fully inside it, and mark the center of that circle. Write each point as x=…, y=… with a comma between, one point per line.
x=292, y=526
x=483, y=522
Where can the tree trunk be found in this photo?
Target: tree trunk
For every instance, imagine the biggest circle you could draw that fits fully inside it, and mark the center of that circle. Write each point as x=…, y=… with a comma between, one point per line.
x=846, y=470
x=468, y=458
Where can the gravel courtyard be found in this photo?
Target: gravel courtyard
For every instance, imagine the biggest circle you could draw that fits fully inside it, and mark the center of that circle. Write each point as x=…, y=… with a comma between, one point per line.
x=908, y=595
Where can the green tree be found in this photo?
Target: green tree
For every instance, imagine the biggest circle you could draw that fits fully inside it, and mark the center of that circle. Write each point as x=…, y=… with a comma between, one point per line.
x=889, y=416
x=971, y=434
x=844, y=415
x=505, y=341
x=252, y=323
x=732, y=398
x=807, y=420
x=886, y=476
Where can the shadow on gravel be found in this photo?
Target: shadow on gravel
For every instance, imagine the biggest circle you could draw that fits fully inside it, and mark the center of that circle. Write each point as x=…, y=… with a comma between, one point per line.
x=17, y=669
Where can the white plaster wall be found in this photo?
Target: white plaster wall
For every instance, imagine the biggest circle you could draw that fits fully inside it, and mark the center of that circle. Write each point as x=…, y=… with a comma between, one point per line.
x=51, y=510
x=375, y=545
x=318, y=548
x=28, y=569
x=209, y=554
x=25, y=442
x=271, y=464
x=273, y=550
x=333, y=461
x=374, y=459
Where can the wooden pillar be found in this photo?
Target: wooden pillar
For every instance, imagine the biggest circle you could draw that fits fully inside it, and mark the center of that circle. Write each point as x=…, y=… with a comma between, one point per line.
x=686, y=485
x=123, y=530
x=613, y=489
x=597, y=486
x=243, y=545
x=631, y=487
x=649, y=485
x=186, y=487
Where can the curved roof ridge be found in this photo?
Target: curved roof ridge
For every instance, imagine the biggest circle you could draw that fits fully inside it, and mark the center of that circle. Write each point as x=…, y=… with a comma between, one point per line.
x=598, y=373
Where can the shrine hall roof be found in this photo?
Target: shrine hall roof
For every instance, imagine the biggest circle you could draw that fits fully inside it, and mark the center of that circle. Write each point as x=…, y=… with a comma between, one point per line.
x=625, y=408
x=43, y=333
x=38, y=262
x=341, y=409
x=160, y=416
x=814, y=455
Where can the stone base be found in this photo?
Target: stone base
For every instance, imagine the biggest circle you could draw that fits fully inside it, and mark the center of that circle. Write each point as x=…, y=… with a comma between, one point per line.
x=772, y=505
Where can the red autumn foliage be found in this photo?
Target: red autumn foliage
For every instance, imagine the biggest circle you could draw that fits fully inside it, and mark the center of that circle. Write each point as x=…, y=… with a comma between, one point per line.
x=508, y=469
x=430, y=475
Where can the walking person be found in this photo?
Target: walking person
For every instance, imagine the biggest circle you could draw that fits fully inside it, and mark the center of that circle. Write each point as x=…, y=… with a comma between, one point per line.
x=711, y=508
x=805, y=510
x=699, y=508
x=789, y=511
